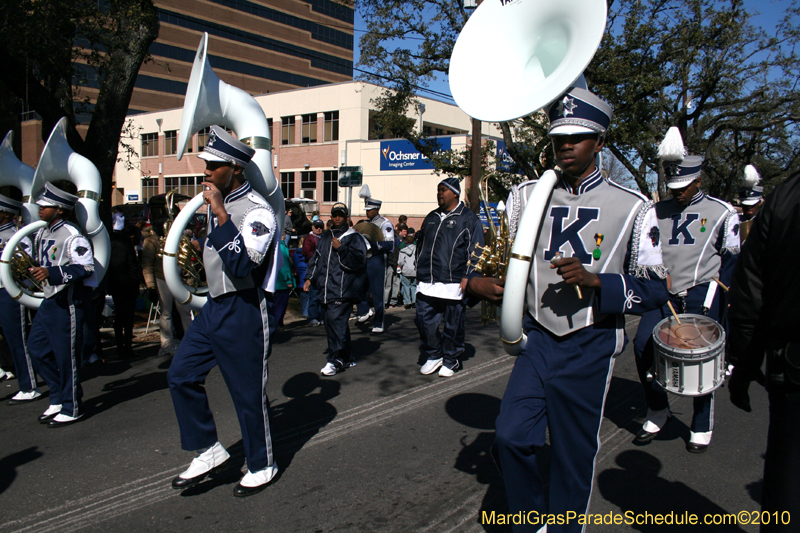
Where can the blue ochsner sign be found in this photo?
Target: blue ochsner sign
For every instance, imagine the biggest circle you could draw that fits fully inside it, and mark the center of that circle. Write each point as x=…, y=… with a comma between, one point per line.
x=400, y=154
x=504, y=160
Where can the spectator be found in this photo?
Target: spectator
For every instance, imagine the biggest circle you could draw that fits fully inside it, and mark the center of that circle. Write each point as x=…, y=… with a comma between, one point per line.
x=122, y=281
x=158, y=292
x=288, y=226
x=300, y=266
x=407, y=267
x=283, y=285
x=309, y=247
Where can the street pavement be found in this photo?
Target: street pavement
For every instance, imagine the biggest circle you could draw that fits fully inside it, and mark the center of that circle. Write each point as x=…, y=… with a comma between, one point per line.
x=377, y=448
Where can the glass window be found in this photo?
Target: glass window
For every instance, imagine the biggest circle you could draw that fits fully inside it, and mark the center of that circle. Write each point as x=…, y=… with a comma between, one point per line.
x=330, y=186
x=149, y=188
x=170, y=142
x=171, y=183
x=309, y=134
x=149, y=144
x=287, y=184
x=308, y=180
x=190, y=185
x=287, y=130
x=202, y=138
x=331, y=129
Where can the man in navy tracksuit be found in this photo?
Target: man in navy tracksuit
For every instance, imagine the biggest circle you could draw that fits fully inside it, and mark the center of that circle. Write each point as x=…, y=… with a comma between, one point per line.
x=232, y=330
x=560, y=380
x=444, y=243
x=13, y=316
x=337, y=272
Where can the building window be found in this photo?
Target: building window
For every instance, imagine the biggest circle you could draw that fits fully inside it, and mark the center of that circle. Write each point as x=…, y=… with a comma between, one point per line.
x=149, y=144
x=170, y=142
x=287, y=184
x=171, y=183
x=287, y=130
x=331, y=129
x=149, y=188
x=308, y=185
x=190, y=185
x=271, y=134
x=202, y=138
x=309, y=128
x=330, y=186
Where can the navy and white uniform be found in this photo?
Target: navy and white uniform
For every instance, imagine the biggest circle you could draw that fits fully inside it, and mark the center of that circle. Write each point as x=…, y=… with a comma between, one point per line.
x=14, y=321
x=232, y=329
x=560, y=380
x=444, y=244
x=376, y=271
x=338, y=277
x=56, y=335
x=700, y=241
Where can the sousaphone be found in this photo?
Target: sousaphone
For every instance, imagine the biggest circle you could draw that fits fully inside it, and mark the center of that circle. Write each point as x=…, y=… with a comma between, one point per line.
x=538, y=49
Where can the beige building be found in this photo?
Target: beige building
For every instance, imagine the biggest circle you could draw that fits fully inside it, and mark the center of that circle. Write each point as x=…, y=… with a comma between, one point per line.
x=314, y=132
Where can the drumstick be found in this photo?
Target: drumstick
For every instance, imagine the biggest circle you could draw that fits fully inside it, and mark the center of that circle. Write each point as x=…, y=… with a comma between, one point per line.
x=721, y=284
x=674, y=313
x=555, y=259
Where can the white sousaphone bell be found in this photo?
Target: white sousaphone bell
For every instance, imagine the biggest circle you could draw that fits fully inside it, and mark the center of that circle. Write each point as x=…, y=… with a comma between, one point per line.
x=59, y=162
x=209, y=101
x=539, y=48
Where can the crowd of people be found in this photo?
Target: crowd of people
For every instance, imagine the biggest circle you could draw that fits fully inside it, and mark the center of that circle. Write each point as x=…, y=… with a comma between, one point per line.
x=629, y=255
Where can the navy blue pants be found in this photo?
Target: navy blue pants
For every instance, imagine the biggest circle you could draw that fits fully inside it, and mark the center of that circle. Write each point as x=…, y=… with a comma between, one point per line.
x=376, y=270
x=13, y=321
x=447, y=343
x=337, y=314
x=656, y=397
x=55, y=343
x=558, y=383
x=231, y=331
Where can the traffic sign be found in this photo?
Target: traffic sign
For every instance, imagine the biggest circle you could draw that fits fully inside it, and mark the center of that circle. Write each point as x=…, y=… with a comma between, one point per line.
x=350, y=176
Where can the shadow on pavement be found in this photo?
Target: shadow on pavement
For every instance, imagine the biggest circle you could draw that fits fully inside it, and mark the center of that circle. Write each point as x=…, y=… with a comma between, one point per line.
x=9, y=464
x=294, y=422
x=636, y=488
x=124, y=390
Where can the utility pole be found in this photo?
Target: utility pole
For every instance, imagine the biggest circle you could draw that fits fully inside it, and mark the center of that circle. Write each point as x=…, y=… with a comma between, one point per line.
x=475, y=174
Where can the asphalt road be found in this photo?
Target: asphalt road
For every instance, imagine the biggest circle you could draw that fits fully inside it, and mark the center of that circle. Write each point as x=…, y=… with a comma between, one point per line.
x=378, y=448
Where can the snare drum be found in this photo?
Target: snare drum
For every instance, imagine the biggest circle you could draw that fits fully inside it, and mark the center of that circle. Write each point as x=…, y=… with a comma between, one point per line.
x=689, y=358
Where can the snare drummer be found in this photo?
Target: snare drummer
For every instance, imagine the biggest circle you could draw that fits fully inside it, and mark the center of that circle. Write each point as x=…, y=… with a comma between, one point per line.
x=700, y=241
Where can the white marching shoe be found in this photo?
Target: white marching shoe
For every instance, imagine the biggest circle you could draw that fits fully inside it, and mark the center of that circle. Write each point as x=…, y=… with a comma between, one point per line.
x=255, y=482
x=25, y=396
x=210, y=459
x=364, y=318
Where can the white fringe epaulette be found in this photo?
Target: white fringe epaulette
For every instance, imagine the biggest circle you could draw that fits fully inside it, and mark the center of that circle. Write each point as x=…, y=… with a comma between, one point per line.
x=634, y=268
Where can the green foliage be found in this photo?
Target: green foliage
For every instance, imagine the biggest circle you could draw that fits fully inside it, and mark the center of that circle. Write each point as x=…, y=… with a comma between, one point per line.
x=699, y=64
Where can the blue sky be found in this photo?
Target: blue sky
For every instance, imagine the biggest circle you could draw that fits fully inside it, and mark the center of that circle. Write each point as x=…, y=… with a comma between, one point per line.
x=767, y=15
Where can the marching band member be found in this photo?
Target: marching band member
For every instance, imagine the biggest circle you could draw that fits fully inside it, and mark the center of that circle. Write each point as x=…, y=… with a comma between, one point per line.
x=561, y=378
x=751, y=193
x=700, y=238
x=444, y=242
x=67, y=265
x=336, y=270
x=13, y=316
x=377, y=267
x=232, y=329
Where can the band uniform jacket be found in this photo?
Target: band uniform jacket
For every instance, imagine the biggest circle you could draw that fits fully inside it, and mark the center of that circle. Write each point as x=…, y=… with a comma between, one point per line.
x=240, y=254
x=67, y=255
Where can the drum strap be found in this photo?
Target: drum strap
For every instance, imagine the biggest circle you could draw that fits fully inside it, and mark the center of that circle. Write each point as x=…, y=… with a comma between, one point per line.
x=712, y=291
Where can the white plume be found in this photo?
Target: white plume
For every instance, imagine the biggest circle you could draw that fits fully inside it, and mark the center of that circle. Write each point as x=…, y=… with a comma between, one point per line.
x=671, y=148
x=751, y=177
x=364, y=192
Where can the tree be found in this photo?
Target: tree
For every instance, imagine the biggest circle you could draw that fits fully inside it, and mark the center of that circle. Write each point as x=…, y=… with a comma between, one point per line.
x=698, y=64
x=49, y=46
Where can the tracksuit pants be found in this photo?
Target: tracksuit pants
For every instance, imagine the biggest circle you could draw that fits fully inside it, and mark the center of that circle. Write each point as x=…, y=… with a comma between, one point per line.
x=231, y=331
x=447, y=343
x=558, y=383
x=13, y=321
x=55, y=343
x=376, y=270
x=656, y=397
x=337, y=314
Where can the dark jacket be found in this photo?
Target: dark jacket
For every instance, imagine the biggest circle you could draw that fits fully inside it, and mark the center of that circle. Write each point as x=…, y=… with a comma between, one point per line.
x=445, y=244
x=765, y=289
x=339, y=274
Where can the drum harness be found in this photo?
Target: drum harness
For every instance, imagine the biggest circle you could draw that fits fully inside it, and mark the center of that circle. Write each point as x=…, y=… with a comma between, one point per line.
x=712, y=291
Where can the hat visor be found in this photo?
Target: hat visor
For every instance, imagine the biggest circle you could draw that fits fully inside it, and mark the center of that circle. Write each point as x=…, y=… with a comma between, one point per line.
x=570, y=129
x=46, y=203
x=680, y=184
x=211, y=157
x=751, y=201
